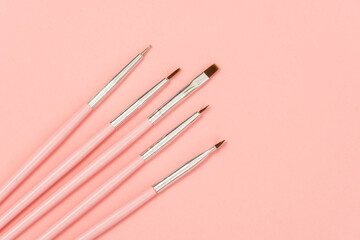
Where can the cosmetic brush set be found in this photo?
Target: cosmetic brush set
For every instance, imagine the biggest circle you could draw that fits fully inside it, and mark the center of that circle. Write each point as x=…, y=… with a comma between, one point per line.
x=101, y=161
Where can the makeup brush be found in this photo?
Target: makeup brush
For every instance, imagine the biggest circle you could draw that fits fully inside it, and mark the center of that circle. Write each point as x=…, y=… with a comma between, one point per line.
x=101, y=193
x=153, y=191
x=118, y=147
x=64, y=131
x=125, y=141
x=80, y=154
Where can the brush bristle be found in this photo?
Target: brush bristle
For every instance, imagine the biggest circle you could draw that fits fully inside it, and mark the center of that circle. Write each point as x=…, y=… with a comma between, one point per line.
x=173, y=74
x=219, y=144
x=203, y=109
x=211, y=70
x=146, y=50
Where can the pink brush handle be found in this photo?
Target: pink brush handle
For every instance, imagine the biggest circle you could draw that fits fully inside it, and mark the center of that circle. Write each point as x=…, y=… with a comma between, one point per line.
x=46, y=149
x=59, y=172
x=93, y=199
x=80, y=178
x=119, y=215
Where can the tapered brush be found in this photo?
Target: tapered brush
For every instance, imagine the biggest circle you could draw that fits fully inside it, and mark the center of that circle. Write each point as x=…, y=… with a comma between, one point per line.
x=78, y=155
x=64, y=131
x=152, y=192
x=144, y=126
x=122, y=144
x=109, y=186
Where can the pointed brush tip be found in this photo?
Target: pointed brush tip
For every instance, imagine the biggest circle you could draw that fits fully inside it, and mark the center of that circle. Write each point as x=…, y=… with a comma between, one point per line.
x=173, y=73
x=211, y=70
x=203, y=109
x=146, y=50
x=219, y=144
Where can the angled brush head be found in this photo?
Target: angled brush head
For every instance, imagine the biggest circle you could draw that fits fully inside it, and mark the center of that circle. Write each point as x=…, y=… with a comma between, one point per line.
x=173, y=74
x=211, y=70
x=219, y=144
x=203, y=109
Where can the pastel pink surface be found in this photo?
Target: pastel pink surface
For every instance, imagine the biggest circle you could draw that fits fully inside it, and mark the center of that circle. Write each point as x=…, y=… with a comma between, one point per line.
x=91, y=200
x=60, y=171
x=45, y=150
x=63, y=192
x=118, y=216
x=77, y=180
x=286, y=99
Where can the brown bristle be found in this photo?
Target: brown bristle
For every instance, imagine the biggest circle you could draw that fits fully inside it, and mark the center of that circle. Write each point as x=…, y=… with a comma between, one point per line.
x=145, y=51
x=219, y=144
x=211, y=70
x=173, y=74
x=203, y=109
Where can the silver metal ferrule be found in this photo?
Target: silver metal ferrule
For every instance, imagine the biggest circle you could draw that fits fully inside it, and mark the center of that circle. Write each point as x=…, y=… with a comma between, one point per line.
x=169, y=137
x=138, y=103
x=182, y=170
x=196, y=83
x=113, y=82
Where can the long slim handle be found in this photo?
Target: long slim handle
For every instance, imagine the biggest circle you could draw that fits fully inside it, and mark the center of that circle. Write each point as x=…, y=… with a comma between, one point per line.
x=58, y=173
x=93, y=199
x=118, y=215
x=45, y=150
x=80, y=178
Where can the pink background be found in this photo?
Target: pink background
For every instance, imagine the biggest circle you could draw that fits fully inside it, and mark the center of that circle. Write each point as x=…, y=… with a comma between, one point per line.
x=286, y=100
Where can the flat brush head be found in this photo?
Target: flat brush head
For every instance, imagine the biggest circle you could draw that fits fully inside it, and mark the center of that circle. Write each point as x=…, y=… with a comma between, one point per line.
x=219, y=144
x=173, y=74
x=203, y=109
x=211, y=70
